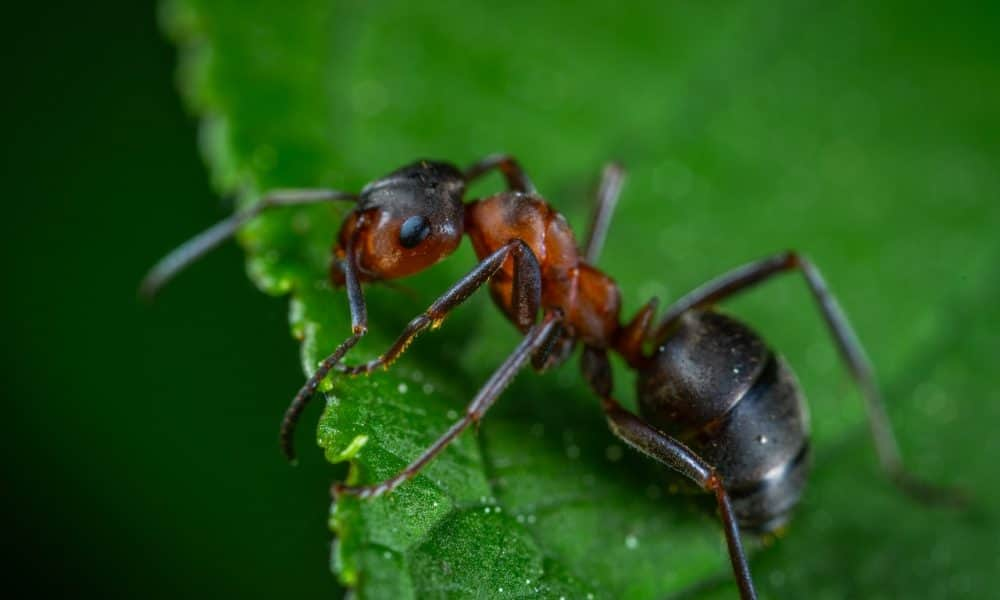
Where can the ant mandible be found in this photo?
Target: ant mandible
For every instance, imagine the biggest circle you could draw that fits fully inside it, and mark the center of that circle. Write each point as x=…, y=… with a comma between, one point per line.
x=715, y=403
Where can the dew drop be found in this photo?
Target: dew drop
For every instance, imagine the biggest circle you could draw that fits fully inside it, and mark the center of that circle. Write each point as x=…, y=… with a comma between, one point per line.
x=762, y=439
x=402, y=388
x=452, y=415
x=631, y=542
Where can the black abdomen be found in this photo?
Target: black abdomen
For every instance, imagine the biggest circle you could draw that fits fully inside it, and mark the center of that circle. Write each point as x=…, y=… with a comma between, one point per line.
x=717, y=387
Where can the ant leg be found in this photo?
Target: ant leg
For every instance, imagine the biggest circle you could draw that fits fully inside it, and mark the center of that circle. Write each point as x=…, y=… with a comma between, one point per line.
x=517, y=179
x=193, y=249
x=646, y=439
x=663, y=448
x=630, y=339
x=527, y=290
x=850, y=349
x=554, y=353
x=359, y=327
x=537, y=337
x=610, y=187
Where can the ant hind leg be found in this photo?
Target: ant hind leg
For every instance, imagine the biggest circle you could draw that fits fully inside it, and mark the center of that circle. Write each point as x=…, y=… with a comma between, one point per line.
x=663, y=448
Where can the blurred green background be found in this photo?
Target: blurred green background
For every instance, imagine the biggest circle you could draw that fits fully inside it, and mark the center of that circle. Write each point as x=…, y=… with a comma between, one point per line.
x=140, y=459
x=141, y=454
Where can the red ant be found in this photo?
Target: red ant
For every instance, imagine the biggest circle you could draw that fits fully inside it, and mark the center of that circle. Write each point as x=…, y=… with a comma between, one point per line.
x=715, y=403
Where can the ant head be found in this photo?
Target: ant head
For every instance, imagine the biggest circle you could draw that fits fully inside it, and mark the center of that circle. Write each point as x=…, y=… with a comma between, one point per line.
x=405, y=221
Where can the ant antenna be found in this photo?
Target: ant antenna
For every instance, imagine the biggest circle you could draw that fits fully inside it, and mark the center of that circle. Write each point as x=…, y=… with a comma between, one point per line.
x=188, y=252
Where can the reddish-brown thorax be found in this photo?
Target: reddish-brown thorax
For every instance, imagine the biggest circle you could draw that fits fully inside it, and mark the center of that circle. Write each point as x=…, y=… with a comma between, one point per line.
x=589, y=299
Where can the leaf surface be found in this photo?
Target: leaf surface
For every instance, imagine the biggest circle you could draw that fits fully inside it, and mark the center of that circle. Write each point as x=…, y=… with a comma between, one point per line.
x=852, y=133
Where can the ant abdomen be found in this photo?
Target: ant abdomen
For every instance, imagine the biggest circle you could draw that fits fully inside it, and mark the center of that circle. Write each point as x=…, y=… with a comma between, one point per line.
x=715, y=385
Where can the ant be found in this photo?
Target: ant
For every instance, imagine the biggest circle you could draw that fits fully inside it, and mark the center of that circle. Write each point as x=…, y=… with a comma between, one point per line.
x=716, y=404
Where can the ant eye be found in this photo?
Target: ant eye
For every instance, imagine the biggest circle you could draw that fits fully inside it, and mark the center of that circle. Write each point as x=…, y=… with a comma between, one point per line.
x=413, y=231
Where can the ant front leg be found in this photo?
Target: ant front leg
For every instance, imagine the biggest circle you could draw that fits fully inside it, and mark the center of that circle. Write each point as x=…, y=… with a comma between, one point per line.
x=517, y=179
x=663, y=448
x=527, y=298
x=359, y=327
x=535, y=341
x=851, y=351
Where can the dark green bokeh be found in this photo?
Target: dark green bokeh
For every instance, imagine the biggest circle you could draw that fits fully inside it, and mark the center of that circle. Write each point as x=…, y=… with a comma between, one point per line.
x=140, y=442
x=140, y=452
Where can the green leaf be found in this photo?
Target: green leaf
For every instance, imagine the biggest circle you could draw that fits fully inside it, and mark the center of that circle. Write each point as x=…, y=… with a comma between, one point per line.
x=863, y=136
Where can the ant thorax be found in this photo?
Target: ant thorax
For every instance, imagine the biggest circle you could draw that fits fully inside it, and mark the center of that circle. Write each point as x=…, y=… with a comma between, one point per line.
x=589, y=299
